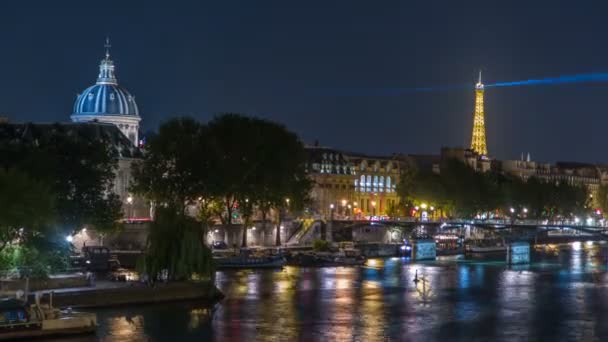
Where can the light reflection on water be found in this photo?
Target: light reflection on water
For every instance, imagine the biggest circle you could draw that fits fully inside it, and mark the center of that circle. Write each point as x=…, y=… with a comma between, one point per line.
x=562, y=295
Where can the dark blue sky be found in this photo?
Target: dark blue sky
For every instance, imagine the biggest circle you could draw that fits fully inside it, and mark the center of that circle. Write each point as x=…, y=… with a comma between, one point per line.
x=281, y=60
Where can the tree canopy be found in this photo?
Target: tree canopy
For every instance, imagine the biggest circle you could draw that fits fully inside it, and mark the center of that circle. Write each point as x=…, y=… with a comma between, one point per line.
x=461, y=191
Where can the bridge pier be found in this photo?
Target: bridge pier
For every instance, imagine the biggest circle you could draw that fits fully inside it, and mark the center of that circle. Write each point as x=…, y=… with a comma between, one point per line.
x=424, y=249
x=518, y=253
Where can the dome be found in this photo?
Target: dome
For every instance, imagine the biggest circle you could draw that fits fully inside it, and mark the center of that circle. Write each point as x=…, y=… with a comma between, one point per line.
x=106, y=97
x=108, y=102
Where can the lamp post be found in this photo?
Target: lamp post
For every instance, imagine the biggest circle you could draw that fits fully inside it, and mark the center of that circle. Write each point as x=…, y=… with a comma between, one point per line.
x=331, y=212
x=130, y=203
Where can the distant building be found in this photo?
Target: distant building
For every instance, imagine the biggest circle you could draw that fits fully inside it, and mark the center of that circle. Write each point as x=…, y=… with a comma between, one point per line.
x=352, y=184
x=588, y=175
x=479, y=163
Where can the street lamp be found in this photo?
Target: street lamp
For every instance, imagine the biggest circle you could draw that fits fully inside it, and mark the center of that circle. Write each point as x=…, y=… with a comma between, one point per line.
x=331, y=210
x=130, y=203
x=512, y=210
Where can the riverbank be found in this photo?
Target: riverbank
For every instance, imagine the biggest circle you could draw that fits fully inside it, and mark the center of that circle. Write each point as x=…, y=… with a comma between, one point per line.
x=108, y=293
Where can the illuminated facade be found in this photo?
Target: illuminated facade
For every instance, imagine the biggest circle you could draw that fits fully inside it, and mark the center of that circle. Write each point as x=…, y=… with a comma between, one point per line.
x=478, y=140
x=348, y=185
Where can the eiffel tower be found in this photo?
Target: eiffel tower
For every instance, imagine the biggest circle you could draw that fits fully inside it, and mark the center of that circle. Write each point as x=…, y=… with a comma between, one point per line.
x=478, y=140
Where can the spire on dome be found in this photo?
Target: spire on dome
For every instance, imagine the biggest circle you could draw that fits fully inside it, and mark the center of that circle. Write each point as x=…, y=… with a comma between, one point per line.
x=106, y=67
x=107, y=45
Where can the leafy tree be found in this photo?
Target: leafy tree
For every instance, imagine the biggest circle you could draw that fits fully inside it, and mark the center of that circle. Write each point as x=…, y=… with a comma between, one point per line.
x=601, y=198
x=77, y=164
x=175, y=174
x=175, y=247
x=27, y=207
x=259, y=165
x=174, y=170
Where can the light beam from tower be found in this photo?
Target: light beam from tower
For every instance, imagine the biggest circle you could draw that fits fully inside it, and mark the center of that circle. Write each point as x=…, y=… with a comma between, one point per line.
x=478, y=140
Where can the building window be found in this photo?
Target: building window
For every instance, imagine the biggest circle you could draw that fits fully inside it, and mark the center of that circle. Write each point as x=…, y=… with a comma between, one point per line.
x=388, y=183
x=381, y=184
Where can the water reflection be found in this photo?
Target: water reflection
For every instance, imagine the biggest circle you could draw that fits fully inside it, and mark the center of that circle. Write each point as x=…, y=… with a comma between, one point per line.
x=563, y=294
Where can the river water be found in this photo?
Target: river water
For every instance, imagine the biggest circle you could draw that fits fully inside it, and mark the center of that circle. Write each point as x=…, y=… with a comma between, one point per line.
x=561, y=295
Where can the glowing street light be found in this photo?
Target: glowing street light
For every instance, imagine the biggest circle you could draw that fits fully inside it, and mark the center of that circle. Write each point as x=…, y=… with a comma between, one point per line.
x=423, y=205
x=130, y=199
x=512, y=210
x=69, y=238
x=331, y=206
x=525, y=210
x=343, y=202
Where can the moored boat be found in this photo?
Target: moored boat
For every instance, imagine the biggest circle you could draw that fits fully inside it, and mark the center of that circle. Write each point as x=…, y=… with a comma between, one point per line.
x=18, y=320
x=243, y=261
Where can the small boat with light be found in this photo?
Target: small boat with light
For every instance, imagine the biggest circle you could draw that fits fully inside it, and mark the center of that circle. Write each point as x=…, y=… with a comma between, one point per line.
x=18, y=320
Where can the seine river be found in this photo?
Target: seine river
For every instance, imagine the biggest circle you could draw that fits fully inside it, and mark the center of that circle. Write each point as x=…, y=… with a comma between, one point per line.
x=561, y=296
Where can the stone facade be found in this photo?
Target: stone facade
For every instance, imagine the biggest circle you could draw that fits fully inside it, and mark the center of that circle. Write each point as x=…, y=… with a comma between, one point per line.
x=350, y=185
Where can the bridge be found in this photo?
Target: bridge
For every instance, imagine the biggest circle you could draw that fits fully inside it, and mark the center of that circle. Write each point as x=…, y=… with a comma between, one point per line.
x=511, y=229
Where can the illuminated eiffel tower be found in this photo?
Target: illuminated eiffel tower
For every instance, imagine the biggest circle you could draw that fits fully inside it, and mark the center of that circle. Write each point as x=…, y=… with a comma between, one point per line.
x=478, y=140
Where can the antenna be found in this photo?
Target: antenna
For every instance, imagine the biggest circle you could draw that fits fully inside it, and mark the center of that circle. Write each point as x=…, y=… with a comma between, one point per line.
x=107, y=45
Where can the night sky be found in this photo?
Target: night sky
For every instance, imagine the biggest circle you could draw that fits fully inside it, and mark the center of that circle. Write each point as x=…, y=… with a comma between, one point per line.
x=320, y=67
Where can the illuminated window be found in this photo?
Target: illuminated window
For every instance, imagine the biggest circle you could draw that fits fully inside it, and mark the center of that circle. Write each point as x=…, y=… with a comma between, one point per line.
x=388, y=184
x=381, y=184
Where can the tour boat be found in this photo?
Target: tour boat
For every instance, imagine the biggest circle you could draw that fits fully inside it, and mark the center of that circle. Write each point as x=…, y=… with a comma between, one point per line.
x=20, y=321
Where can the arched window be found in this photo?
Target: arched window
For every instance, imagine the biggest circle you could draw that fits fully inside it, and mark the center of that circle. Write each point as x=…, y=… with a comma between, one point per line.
x=375, y=184
x=381, y=184
x=362, y=183
x=368, y=184
x=388, y=184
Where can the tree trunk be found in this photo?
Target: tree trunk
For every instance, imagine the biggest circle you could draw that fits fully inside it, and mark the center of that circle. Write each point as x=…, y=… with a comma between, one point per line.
x=277, y=241
x=264, y=225
x=246, y=222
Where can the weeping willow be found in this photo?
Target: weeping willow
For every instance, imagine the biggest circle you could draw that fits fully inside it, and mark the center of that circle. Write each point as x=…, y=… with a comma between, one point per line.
x=175, y=248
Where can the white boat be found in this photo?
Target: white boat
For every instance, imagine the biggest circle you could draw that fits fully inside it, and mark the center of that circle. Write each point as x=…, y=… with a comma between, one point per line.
x=21, y=321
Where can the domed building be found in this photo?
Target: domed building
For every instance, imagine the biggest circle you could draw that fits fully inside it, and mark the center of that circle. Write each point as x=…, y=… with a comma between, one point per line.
x=108, y=102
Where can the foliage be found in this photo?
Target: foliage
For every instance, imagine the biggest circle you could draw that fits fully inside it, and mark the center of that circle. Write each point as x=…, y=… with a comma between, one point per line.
x=321, y=245
x=176, y=247
x=256, y=164
x=174, y=169
x=461, y=191
x=601, y=198
x=33, y=260
x=78, y=169
x=26, y=207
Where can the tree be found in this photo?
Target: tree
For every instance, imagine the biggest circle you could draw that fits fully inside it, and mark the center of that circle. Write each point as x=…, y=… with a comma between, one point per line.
x=175, y=248
x=259, y=165
x=175, y=174
x=27, y=207
x=601, y=198
x=77, y=163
